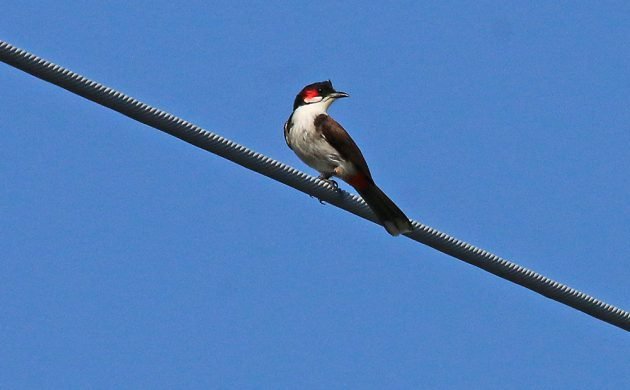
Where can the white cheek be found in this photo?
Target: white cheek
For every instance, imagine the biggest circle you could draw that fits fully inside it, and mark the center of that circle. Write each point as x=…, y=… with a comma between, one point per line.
x=314, y=99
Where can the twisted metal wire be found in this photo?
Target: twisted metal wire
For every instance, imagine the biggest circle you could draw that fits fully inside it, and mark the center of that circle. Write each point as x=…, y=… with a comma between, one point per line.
x=283, y=173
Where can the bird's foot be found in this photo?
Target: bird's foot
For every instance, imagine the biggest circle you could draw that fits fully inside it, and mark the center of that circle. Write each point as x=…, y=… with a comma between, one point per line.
x=333, y=183
x=330, y=181
x=319, y=200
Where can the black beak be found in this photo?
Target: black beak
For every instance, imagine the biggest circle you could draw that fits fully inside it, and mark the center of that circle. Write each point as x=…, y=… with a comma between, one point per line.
x=338, y=95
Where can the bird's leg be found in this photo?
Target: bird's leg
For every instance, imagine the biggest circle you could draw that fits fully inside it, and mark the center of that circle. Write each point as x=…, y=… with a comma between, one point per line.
x=319, y=200
x=327, y=178
x=321, y=177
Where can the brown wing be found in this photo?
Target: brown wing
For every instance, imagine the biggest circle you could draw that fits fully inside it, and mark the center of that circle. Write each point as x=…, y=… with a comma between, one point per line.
x=339, y=138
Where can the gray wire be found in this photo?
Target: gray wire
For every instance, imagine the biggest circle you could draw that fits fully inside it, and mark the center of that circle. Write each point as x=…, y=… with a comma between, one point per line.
x=283, y=173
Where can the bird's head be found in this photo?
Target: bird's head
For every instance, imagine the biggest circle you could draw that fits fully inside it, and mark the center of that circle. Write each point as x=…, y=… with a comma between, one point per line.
x=321, y=93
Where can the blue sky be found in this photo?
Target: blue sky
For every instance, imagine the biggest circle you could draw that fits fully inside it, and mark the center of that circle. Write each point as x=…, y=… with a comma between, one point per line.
x=132, y=259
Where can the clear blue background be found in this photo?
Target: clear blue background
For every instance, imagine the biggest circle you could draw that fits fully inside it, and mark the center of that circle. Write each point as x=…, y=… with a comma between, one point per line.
x=131, y=259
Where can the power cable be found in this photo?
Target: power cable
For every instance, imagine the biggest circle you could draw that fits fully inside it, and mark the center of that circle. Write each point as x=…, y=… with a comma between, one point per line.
x=310, y=185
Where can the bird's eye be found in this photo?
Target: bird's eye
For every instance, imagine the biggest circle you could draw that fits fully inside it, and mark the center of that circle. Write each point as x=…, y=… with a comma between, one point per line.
x=319, y=90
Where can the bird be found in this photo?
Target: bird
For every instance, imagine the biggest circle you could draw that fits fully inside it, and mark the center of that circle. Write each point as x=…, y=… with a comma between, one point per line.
x=324, y=145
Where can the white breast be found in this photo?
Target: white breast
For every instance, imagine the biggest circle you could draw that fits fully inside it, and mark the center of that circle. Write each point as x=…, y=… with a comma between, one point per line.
x=310, y=146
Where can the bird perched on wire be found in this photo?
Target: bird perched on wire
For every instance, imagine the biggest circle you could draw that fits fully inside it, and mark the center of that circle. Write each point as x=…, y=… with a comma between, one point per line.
x=325, y=146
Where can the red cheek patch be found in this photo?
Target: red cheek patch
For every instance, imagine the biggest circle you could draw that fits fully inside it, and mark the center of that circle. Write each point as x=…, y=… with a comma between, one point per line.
x=310, y=93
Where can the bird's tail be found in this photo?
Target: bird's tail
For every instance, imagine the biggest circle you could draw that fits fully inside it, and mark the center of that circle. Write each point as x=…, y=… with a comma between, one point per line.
x=391, y=217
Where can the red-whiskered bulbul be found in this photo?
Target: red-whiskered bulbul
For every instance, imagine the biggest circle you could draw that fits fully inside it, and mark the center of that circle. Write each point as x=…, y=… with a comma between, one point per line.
x=325, y=146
